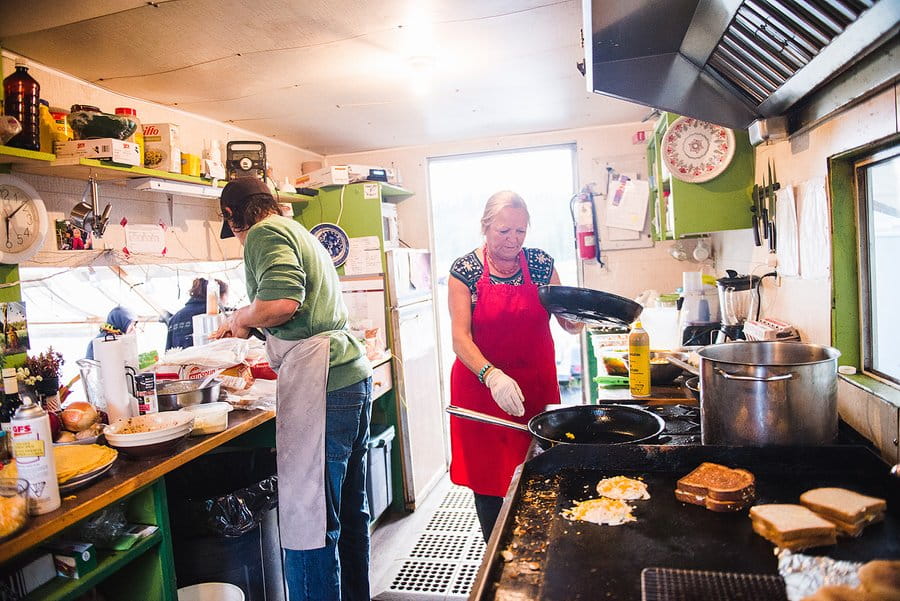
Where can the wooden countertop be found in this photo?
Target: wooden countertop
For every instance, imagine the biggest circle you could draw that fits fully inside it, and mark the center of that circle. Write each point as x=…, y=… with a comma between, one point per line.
x=673, y=394
x=126, y=476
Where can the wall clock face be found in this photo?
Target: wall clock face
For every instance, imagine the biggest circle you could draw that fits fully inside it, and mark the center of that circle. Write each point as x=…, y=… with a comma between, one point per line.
x=23, y=220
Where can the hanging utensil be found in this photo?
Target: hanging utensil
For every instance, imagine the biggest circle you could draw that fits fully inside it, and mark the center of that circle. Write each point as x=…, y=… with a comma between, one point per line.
x=775, y=186
x=754, y=215
x=765, y=208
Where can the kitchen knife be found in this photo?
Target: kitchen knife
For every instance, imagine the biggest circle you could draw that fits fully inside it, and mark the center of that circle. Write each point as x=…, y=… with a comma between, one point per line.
x=773, y=201
x=764, y=202
x=754, y=215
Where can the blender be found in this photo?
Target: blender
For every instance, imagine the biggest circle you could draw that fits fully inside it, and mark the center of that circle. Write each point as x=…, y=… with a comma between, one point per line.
x=738, y=302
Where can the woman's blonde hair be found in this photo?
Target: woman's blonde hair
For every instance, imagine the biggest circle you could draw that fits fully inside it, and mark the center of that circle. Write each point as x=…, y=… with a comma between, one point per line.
x=499, y=201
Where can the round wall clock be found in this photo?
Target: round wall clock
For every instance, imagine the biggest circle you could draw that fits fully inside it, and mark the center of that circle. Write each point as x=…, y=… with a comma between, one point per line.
x=335, y=241
x=23, y=221
x=695, y=151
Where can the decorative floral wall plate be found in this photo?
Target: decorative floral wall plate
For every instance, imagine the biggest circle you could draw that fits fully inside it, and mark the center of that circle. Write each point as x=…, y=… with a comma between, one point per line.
x=335, y=241
x=696, y=151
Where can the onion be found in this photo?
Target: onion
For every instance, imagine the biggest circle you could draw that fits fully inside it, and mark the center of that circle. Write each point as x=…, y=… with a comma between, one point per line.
x=79, y=416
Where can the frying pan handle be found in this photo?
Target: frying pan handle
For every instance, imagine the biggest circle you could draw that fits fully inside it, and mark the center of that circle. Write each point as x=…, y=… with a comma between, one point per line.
x=683, y=365
x=485, y=418
x=729, y=376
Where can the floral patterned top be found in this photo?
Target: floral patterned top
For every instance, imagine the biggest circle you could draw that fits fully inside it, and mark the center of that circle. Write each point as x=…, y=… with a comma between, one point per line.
x=468, y=269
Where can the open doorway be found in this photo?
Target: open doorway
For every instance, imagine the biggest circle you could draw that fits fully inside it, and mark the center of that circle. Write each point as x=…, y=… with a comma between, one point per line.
x=460, y=185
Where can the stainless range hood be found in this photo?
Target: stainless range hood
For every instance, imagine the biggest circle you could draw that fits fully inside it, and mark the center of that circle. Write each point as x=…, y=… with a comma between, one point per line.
x=733, y=62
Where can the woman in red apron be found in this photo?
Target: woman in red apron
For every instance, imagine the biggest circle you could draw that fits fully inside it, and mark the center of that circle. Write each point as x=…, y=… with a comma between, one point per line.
x=505, y=362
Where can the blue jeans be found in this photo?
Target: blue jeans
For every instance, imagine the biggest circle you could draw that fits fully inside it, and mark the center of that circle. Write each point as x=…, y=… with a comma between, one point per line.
x=339, y=571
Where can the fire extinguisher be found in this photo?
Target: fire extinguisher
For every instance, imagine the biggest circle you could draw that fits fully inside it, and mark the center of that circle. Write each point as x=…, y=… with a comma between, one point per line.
x=586, y=239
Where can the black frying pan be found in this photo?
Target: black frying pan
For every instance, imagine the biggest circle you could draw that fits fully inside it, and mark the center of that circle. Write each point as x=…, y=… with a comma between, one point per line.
x=580, y=424
x=592, y=307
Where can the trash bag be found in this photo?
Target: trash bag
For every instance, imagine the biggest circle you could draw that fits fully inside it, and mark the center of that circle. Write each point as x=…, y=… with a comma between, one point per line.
x=239, y=512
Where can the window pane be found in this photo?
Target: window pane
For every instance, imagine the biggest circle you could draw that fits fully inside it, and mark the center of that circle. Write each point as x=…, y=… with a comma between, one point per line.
x=883, y=212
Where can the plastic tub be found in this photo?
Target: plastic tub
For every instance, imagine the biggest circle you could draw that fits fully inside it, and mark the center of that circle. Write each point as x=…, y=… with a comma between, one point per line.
x=211, y=591
x=209, y=418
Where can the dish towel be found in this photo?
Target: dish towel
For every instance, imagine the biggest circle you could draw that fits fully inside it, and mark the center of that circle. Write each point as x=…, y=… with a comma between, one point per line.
x=787, y=232
x=815, y=239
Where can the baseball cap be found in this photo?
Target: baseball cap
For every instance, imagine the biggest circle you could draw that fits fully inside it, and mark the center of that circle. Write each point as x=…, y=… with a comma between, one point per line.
x=234, y=193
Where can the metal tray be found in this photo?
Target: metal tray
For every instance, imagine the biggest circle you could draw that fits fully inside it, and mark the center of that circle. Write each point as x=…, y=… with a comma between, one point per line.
x=552, y=558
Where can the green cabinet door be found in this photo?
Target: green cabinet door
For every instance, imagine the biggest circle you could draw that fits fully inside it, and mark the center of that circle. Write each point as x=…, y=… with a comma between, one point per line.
x=722, y=203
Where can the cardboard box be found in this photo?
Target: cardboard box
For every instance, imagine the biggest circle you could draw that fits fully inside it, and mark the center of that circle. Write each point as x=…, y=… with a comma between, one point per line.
x=343, y=174
x=107, y=149
x=29, y=574
x=73, y=560
x=162, y=147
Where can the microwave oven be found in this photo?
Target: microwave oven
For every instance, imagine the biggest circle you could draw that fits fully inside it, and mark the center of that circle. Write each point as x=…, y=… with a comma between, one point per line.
x=389, y=225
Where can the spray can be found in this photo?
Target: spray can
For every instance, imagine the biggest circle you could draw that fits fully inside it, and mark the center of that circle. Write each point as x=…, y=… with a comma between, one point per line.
x=639, y=361
x=32, y=444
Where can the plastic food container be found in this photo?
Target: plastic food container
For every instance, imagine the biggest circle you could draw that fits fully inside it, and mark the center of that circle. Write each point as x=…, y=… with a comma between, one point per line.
x=209, y=418
x=13, y=506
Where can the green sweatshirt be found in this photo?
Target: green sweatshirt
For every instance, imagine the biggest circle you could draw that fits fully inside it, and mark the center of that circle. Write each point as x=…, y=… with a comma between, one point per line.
x=283, y=260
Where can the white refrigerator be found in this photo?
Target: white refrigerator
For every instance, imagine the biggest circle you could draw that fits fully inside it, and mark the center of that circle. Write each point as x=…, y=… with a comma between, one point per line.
x=417, y=385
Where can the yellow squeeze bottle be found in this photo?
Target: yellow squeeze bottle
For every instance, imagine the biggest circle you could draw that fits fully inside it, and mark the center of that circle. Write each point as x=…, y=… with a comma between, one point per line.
x=639, y=361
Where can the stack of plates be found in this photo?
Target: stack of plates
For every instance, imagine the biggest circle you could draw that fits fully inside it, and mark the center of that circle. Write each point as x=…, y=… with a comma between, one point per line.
x=151, y=434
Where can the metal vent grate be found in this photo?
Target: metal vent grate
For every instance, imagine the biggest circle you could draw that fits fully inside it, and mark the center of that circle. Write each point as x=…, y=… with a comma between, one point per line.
x=664, y=584
x=443, y=562
x=458, y=498
x=440, y=546
x=453, y=521
x=424, y=576
x=476, y=551
x=767, y=42
x=464, y=579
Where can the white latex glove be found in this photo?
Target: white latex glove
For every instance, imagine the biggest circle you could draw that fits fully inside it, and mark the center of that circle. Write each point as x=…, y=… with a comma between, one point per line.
x=506, y=392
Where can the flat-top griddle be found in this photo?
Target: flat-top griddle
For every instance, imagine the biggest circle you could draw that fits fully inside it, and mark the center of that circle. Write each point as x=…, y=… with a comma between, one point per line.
x=538, y=554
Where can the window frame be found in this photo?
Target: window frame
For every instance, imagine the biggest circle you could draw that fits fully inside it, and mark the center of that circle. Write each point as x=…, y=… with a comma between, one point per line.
x=866, y=319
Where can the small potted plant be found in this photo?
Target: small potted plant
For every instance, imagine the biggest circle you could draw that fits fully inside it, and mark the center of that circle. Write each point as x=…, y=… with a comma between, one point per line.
x=42, y=373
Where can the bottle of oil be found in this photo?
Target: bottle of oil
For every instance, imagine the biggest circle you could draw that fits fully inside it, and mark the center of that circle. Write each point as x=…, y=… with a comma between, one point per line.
x=639, y=361
x=21, y=99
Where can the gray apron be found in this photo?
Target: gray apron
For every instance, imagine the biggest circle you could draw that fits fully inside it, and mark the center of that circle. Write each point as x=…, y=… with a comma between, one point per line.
x=302, y=366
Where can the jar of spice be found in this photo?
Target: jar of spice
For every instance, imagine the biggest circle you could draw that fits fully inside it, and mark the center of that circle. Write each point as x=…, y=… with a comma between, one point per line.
x=138, y=136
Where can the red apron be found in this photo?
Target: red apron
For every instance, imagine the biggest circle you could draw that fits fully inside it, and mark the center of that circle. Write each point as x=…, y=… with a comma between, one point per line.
x=512, y=330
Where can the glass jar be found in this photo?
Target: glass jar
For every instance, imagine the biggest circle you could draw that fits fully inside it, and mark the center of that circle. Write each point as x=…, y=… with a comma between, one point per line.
x=138, y=136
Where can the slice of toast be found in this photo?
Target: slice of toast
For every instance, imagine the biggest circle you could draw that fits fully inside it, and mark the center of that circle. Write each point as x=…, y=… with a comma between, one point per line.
x=849, y=510
x=881, y=579
x=717, y=487
x=838, y=592
x=792, y=526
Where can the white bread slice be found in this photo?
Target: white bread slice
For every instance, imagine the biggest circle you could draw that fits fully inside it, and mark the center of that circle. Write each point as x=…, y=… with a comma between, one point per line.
x=794, y=544
x=881, y=579
x=838, y=592
x=846, y=506
x=783, y=523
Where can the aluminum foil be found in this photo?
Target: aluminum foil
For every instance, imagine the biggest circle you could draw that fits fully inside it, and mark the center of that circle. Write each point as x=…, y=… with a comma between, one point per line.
x=805, y=574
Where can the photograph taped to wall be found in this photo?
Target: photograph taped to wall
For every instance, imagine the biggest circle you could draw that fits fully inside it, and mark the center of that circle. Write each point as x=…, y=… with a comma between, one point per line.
x=69, y=237
x=15, y=328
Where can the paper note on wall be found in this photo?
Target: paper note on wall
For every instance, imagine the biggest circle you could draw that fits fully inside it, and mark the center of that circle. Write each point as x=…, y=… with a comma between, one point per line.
x=626, y=205
x=364, y=256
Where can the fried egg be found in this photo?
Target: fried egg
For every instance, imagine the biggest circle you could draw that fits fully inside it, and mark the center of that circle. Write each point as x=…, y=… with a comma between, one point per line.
x=621, y=487
x=611, y=512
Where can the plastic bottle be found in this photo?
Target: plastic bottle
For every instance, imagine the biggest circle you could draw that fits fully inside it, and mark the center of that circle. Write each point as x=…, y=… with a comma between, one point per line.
x=47, y=127
x=11, y=399
x=22, y=95
x=639, y=361
x=32, y=445
x=138, y=136
x=212, y=297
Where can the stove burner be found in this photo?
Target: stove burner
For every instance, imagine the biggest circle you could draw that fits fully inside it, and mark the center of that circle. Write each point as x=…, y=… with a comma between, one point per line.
x=682, y=423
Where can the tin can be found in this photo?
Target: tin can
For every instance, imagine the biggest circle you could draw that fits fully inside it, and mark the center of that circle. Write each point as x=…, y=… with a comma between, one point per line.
x=32, y=444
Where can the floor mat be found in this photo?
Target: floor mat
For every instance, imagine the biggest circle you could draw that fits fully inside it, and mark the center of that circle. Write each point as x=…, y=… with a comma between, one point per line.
x=442, y=560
